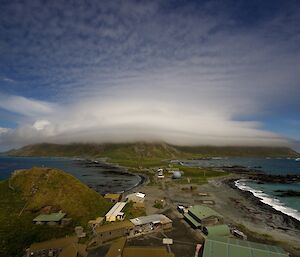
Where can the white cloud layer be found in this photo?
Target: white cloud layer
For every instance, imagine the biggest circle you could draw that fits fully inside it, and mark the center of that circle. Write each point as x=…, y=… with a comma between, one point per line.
x=129, y=119
x=124, y=71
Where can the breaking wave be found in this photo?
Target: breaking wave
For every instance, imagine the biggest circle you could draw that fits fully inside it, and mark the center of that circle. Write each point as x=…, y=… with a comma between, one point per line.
x=267, y=199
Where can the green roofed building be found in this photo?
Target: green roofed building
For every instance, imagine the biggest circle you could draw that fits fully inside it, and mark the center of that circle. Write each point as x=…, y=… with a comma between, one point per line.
x=228, y=247
x=200, y=215
x=193, y=222
x=217, y=230
x=53, y=218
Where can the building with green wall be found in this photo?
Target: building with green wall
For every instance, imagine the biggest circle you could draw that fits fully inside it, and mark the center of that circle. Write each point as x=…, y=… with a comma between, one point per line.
x=201, y=215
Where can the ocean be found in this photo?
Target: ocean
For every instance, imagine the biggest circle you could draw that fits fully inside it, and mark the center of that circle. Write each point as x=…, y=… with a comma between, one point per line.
x=102, y=179
x=267, y=192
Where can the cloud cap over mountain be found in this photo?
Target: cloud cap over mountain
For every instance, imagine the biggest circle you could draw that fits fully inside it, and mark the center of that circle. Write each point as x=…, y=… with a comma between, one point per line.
x=184, y=72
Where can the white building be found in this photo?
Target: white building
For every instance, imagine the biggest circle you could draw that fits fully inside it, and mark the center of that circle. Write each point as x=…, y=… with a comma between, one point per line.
x=136, y=197
x=115, y=212
x=146, y=224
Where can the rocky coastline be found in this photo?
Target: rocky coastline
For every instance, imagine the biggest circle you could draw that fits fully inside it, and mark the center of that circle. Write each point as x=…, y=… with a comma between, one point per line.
x=111, y=168
x=279, y=220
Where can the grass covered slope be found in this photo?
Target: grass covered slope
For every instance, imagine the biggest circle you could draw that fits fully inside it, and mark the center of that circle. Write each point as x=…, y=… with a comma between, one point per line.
x=131, y=155
x=151, y=152
x=239, y=151
x=17, y=231
x=33, y=190
x=118, y=151
x=41, y=187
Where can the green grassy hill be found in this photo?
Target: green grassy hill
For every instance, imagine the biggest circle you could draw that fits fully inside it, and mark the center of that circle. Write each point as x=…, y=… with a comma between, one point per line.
x=240, y=151
x=147, y=154
x=131, y=155
x=33, y=190
x=41, y=187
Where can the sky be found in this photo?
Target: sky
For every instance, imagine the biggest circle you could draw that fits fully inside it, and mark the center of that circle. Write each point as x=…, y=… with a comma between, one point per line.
x=182, y=72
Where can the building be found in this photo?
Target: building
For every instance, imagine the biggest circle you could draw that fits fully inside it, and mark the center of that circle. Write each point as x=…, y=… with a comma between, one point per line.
x=112, y=231
x=94, y=223
x=62, y=247
x=216, y=230
x=151, y=223
x=199, y=216
x=135, y=197
x=176, y=175
x=146, y=252
x=239, y=234
x=160, y=173
x=113, y=198
x=119, y=249
x=228, y=247
x=50, y=219
x=115, y=213
x=116, y=248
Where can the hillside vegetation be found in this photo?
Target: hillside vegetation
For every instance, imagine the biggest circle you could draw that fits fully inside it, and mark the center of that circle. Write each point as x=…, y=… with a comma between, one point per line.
x=240, y=151
x=147, y=154
x=41, y=187
x=33, y=190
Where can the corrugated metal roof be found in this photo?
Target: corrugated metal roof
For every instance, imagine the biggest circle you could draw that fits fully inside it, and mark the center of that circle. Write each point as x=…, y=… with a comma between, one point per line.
x=114, y=226
x=155, y=218
x=116, y=248
x=218, y=230
x=146, y=252
x=50, y=217
x=116, y=209
x=54, y=243
x=69, y=251
x=229, y=247
x=202, y=212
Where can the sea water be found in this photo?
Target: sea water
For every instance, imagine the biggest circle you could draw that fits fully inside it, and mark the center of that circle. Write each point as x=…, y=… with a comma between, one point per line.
x=266, y=192
x=102, y=179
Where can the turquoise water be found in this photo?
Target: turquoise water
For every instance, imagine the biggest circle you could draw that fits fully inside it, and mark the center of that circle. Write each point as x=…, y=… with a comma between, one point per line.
x=268, y=195
x=265, y=192
x=102, y=179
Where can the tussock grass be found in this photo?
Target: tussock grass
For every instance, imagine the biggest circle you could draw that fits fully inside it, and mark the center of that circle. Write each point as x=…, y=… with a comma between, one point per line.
x=35, y=189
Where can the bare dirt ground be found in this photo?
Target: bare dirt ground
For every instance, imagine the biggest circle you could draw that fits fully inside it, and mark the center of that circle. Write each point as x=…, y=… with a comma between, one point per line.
x=260, y=223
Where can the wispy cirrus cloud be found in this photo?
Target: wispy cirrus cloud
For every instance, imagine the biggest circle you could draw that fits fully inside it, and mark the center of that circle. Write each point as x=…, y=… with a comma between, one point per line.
x=8, y=80
x=25, y=106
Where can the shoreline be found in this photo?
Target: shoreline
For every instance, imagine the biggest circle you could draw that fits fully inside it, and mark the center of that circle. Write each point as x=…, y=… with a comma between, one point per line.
x=288, y=220
x=266, y=198
x=259, y=221
x=121, y=170
x=101, y=163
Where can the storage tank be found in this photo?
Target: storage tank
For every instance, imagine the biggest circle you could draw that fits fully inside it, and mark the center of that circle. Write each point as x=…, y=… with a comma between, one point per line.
x=176, y=174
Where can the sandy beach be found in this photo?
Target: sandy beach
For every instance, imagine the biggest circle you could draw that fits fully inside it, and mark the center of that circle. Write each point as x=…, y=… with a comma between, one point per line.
x=240, y=209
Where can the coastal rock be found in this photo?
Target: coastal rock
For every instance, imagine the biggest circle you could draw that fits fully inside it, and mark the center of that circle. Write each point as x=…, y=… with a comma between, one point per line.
x=267, y=178
x=288, y=193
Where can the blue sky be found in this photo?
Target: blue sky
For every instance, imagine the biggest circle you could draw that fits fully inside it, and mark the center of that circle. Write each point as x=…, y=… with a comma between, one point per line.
x=184, y=72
